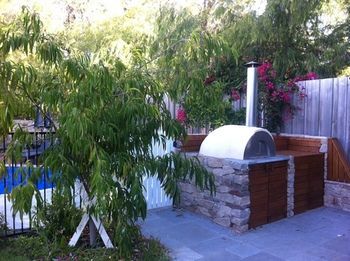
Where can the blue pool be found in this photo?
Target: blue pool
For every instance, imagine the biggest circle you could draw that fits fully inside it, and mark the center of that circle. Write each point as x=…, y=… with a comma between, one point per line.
x=13, y=178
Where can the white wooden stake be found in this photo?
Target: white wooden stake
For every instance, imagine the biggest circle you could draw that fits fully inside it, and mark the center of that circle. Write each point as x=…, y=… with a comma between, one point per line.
x=95, y=222
x=99, y=226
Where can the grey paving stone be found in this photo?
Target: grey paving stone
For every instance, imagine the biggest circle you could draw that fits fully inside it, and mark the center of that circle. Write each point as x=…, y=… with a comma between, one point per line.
x=271, y=241
x=339, y=244
x=342, y=258
x=171, y=215
x=220, y=256
x=243, y=250
x=188, y=233
x=157, y=223
x=320, y=234
x=303, y=257
x=324, y=253
x=171, y=243
x=262, y=256
x=218, y=244
x=185, y=254
x=294, y=248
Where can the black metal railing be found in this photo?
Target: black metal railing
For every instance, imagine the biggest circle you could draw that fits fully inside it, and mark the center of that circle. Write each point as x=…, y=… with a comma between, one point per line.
x=15, y=172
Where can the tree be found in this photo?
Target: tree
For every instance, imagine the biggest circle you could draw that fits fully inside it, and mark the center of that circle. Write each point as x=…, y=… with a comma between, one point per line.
x=107, y=114
x=184, y=56
x=293, y=36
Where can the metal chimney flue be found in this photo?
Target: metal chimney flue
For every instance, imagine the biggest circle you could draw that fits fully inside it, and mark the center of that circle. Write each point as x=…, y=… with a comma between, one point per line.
x=252, y=94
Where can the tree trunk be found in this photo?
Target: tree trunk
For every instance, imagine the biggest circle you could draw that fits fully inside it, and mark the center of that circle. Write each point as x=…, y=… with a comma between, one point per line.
x=92, y=233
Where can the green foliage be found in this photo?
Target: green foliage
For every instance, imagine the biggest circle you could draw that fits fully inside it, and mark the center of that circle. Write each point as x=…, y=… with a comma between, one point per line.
x=183, y=57
x=293, y=36
x=3, y=225
x=58, y=220
x=108, y=114
x=37, y=248
x=205, y=106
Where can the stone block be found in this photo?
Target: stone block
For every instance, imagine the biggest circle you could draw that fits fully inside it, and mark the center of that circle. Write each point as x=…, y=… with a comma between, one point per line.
x=345, y=207
x=239, y=190
x=208, y=204
x=223, y=221
x=218, y=181
x=214, y=163
x=240, y=213
x=225, y=170
x=225, y=197
x=218, y=172
x=239, y=221
x=223, y=211
x=228, y=180
x=240, y=229
x=241, y=201
x=240, y=166
x=187, y=187
x=228, y=169
x=345, y=200
x=204, y=211
x=202, y=160
x=212, y=198
x=324, y=148
x=223, y=189
x=185, y=203
x=240, y=180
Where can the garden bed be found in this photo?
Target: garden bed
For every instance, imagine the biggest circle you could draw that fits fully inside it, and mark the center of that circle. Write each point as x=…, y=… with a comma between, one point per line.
x=37, y=248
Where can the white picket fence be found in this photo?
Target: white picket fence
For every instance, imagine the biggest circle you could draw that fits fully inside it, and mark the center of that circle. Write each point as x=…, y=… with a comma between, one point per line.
x=153, y=192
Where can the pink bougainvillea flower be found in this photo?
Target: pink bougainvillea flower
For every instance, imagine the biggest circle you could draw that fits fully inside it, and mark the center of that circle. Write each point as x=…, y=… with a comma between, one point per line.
x=181, y=115
x=273, y=73
x=311, y=76
x=285, y=97
x=270, y=86
x=235, y=95
x=262, y=69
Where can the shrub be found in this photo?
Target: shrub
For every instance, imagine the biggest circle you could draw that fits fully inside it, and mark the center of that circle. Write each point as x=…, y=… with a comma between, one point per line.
x=58, y=221
x=3, y=225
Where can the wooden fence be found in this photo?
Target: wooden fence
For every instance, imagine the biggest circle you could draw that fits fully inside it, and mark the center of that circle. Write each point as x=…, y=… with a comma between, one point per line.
x=338, y=166
x=325, y=111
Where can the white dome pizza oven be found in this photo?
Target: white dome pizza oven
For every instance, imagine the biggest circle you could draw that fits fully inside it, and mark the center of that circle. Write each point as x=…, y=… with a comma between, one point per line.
x=238, y=142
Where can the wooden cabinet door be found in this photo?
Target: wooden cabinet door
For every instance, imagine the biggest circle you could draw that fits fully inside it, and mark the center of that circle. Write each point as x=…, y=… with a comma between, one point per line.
x=258, y=186
x=277, y=191
x=268, y=193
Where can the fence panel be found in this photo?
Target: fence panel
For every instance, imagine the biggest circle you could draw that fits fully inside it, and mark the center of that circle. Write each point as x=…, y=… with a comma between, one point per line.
x=12, y=177
x=153, y=191
x=15, y=174
x=326, y=107
x=325, y=111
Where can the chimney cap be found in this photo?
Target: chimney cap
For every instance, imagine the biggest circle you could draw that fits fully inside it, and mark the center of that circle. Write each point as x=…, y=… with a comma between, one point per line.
x=252, y=64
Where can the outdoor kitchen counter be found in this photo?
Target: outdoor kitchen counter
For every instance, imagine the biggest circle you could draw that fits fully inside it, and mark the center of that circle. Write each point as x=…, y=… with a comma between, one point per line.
x=306, y=175
x=249, y=193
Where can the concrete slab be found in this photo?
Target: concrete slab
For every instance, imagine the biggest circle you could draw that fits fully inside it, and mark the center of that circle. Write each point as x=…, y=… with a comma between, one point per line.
x=319, y=234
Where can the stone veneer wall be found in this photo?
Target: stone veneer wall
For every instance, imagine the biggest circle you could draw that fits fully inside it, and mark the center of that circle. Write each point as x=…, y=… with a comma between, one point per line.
x=230, y=207
x=290, y=187
x=337, y=194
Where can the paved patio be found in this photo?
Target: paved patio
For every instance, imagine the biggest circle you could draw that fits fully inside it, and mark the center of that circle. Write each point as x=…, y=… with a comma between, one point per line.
x=319, y=234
